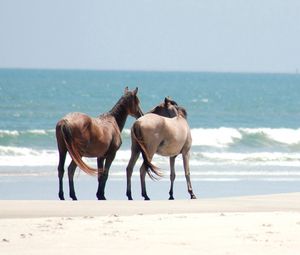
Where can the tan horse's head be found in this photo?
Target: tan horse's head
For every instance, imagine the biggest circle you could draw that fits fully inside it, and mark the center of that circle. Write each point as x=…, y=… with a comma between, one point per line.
x=133, y=101
x=169, y=108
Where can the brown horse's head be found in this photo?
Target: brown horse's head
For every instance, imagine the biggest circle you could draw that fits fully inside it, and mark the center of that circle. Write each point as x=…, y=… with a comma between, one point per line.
x=169, y=108
x=133, y=103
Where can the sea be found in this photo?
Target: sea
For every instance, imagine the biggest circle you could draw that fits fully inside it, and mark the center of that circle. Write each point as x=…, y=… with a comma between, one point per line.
x=245, y=129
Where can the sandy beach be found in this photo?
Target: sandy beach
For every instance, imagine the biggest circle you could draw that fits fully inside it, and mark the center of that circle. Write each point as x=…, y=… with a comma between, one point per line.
x=245, y=225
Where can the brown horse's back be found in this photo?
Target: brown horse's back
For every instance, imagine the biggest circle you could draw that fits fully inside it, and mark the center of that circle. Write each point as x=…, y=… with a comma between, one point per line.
x=73, y=126
x=92, y=136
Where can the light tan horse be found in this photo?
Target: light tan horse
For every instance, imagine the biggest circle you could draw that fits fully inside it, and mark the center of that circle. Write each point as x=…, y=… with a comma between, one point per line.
x=84, y=136
x=169, y=137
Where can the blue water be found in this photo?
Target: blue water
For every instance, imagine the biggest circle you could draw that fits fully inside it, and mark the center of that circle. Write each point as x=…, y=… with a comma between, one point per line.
x=245, y=127
x=37, y=98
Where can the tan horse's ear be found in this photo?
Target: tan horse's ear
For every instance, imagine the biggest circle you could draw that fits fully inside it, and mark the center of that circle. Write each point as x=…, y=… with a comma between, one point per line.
x=126, y=90
x=167, y=100
x=135, y=91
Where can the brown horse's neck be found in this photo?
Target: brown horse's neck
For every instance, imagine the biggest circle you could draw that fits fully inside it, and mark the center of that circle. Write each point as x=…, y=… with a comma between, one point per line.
x=119, y=111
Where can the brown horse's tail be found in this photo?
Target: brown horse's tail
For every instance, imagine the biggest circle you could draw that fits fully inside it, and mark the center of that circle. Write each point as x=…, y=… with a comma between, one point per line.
x=66, y=132
x=137, y=136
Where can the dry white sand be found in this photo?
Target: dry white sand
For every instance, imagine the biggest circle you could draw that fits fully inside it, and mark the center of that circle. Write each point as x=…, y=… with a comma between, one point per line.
x=245, y=225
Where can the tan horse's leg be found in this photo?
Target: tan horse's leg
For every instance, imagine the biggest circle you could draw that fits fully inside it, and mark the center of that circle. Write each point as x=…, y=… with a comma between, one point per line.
x=71, y=171
x=151, y=151
x=172, y=176
x=129, y=169
x=143, y=183
x=186, y=165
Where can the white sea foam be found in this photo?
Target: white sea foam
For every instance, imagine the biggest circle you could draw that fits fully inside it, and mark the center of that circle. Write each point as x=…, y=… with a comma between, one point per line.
x=281, y=135
x=9, y=133
x=216, y=137
x=18, y=156
x=4, y=133
x=224, y=137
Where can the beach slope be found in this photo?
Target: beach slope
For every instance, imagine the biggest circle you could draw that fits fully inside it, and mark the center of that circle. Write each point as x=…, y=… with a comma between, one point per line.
x=245, y=225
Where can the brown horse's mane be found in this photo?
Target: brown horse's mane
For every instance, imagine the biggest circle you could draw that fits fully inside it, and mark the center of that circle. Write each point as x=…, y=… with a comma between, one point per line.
x=119, y=110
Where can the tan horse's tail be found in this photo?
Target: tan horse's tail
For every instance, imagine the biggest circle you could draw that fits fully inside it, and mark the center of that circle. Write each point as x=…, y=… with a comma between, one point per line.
x=66, y=132
x=137, y=136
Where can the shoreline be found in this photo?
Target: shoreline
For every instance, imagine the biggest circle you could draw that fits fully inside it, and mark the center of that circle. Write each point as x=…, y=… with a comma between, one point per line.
x=46, y=188
x=49, y=208
x=267, y=224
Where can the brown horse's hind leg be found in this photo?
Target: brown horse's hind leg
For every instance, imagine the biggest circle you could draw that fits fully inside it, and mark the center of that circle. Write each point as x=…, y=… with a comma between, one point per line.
x=129, y=169
x=172, y=176
x=61, y=171
x=71, y=171
x=186, y=158
x=62, y=150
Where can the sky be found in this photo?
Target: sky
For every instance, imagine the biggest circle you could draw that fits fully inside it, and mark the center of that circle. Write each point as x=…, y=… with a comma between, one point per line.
x=163, y=35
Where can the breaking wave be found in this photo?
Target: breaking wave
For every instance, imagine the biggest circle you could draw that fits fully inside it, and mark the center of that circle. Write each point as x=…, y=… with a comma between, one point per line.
x=217, y=154
x=248, y=137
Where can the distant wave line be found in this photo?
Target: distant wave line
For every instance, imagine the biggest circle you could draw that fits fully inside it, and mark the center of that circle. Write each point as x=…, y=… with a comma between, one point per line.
x=222, y=137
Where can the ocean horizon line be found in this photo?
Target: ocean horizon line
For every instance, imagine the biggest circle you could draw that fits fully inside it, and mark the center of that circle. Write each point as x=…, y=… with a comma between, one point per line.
x=295, y=72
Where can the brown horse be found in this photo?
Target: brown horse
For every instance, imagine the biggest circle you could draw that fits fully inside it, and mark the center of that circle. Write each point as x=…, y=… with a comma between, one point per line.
x=83, y=136
x=154, y=133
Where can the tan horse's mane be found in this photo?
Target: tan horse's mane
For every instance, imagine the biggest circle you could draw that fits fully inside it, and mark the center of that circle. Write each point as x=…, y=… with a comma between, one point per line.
x=182, y=111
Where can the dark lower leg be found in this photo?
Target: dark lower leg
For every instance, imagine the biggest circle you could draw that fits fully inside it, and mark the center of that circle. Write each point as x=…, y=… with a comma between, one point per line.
x=185, y=158
x=135, y=153
x=102, y=178
x=128, y=190
x=60, y=178
x=172, y=177
x=143, y=183
x=189, y=186
x=61, y=172
x=71, y=171
x=101, y=185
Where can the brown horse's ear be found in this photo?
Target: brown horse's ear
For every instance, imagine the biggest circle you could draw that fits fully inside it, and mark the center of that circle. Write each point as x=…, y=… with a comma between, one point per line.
x=135, y=91
x=126, y=90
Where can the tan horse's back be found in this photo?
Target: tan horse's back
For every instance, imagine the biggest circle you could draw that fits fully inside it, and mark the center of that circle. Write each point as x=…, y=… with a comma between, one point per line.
x=164, y=136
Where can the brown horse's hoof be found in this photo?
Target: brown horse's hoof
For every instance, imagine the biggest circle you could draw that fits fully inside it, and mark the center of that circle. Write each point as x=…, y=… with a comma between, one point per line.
x=193, y=197
x=61, y=196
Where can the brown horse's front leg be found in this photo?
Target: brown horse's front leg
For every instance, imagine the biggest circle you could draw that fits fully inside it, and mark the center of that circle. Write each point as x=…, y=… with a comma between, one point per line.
x=71, y=171
x=104, y=176
x=100, y=178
